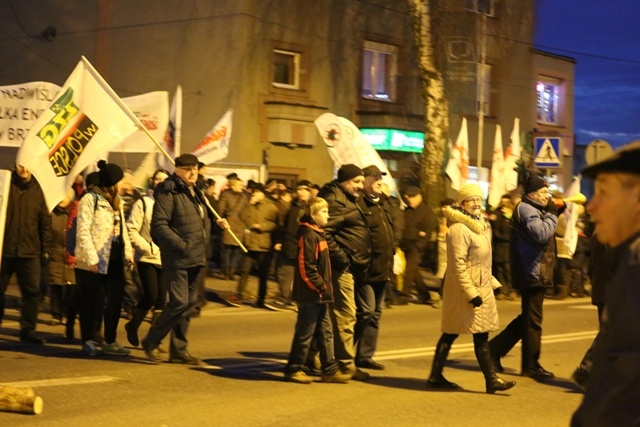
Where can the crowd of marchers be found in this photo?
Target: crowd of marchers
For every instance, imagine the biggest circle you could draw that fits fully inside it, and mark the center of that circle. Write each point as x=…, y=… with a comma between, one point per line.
x=340, y=253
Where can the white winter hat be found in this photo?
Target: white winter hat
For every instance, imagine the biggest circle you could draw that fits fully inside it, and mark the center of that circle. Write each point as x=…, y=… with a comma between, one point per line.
x=469, y=189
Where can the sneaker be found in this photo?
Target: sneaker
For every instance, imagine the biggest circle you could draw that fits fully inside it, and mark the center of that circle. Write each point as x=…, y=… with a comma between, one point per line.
x=359, y=375
x=115, y=349
x=98, y=339
x=298, y=377
x=151, y=352
x=185, y=359
x=89, y=348
x=233, y=300
x=274, y=306
x=337, y=377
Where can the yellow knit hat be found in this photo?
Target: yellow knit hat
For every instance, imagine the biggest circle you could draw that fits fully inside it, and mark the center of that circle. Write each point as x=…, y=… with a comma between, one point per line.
x=470, y=189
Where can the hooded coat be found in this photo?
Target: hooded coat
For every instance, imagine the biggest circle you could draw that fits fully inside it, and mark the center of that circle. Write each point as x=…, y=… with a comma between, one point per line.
x=468, y=275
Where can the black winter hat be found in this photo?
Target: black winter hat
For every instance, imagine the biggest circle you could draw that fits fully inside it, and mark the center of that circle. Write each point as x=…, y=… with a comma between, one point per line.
x=534, y=182
x=349, y=171
x=186, y=160
x=109, y=174
x=92, y=179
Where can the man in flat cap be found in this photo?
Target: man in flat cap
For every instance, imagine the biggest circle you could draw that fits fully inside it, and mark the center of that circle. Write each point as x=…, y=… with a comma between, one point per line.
x=180, y=225
x=614, y=381
x=350, y=250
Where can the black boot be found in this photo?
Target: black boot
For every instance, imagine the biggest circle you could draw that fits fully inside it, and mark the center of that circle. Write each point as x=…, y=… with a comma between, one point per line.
x=132, y=326
x=436, y=379
x=493, y=381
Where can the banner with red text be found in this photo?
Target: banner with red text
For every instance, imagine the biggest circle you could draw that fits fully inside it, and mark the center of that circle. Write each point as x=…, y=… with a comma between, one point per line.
x=215, y=145
x=20, y=106
x=83, y=122
x=152, y=109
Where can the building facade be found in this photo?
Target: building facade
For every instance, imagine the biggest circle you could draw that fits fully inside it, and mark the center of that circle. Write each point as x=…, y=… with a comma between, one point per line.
x=281, y=63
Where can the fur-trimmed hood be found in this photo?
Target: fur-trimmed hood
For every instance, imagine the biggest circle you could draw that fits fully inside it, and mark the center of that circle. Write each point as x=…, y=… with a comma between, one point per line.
x=455, y=214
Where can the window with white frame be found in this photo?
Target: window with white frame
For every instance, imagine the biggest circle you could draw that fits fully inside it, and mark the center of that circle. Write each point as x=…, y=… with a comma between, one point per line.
x=379, y=71
x=548, y=100
x=286, y=69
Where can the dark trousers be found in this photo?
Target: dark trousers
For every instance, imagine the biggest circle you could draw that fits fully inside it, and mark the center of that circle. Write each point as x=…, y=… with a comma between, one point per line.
x=183, y=298
x=526, y=327
x=28, y=272
x=154, y=287
x=92, y=288
x=61, y=298
x=369, y=302
x=230, y=258
x=313, y=323
x=502, y=272
x=412, y=270
x=263, y=261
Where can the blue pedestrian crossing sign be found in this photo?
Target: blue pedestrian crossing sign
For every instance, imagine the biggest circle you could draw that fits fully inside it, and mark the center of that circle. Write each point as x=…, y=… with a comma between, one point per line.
x=547, y=151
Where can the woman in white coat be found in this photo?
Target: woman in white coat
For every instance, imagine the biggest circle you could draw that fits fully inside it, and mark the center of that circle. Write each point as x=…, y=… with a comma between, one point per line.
x=469, y=306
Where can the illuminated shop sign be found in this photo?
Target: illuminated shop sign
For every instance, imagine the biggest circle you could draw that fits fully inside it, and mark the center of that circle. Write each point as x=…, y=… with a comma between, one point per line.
x=394, y=140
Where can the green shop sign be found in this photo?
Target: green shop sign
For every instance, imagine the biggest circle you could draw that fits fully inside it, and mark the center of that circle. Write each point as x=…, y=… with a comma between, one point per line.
x=394, y=140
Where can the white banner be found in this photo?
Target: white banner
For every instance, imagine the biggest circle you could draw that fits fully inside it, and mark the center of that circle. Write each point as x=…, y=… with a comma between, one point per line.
x=496, y=185
x=86, y=120
x=215, y=145
x=5, y=186
x=20, y=106
x=458, y=166
x=152, y=109
x=347, y=144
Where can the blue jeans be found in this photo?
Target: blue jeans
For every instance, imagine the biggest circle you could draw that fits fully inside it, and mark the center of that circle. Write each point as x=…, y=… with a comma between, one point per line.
x=369, y=302
x=313, y=322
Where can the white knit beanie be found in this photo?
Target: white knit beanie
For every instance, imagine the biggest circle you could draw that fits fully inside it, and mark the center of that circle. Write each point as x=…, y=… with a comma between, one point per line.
x=470, y=189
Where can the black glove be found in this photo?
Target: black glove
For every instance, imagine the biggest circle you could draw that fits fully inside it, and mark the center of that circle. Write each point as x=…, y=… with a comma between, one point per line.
x=562, y=208
x=44, y=259
x=476, y=301
x=552, y=208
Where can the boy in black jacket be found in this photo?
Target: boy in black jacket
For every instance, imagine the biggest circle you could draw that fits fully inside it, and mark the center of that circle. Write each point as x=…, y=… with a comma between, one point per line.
x=313, y=292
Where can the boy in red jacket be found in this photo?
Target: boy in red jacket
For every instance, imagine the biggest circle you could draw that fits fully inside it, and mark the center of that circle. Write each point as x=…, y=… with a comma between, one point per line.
x=313, y=293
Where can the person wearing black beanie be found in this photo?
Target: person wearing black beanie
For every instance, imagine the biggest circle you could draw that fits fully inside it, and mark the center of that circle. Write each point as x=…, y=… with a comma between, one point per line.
x=102, y=252
x=532, y=256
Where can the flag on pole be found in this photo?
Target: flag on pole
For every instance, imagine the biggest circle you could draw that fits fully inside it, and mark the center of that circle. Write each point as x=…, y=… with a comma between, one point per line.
x=84, y=121
x=511, y=157
x=458, y=165
x=572, y=212
x=496, y=182
x=215, y=145
x=152, y=109
x=173, y=134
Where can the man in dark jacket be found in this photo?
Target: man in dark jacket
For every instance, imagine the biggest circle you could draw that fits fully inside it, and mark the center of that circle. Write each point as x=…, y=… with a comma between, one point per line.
x=350, y=249
x=180, y=225
x=532, y=256
x=370, y=293
x=26, y=247
x=614, y=380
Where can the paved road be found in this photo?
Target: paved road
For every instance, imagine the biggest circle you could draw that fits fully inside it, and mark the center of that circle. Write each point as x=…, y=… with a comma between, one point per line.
x=242, y=385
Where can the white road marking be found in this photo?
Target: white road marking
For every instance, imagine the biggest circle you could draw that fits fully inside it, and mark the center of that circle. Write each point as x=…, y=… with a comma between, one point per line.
x=62, y=381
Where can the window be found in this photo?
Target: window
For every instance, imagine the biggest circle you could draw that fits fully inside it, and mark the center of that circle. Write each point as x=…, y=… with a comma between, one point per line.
x=286, y=69
x=480, y=6
x=548, y=101
x=379, y=71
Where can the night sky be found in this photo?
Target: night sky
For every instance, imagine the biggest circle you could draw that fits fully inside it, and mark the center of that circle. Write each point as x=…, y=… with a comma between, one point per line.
x=604, y=39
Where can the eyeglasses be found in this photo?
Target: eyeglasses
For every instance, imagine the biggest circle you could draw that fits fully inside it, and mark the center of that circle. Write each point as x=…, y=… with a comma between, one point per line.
x=475, y=199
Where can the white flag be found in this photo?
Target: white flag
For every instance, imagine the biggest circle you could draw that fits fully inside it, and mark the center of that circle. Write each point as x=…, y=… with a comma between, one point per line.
x=86, y=120
x=572, y=212
x=496, y=184
x=458, y=166
x=152, y=109
x=173, y=134
x=215, y=145
x=511, y=156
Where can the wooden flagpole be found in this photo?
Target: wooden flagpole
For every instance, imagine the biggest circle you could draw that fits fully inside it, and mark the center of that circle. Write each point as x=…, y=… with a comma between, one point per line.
x=137, y=121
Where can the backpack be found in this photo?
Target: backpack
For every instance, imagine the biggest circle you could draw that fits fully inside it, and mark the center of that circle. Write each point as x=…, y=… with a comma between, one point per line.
x=70, y=243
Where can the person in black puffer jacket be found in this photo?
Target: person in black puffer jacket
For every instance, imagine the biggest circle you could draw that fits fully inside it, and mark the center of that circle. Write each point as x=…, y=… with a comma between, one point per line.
x=350, y=249
x=180, y=226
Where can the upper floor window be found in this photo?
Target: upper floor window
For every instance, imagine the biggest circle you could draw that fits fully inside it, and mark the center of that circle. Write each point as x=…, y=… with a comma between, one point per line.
x=286, y=69
x=379, y=71
x=480, y=6
x=548, y=101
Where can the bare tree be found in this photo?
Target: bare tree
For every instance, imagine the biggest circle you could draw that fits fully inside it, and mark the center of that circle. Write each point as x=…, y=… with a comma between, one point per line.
x=436, y=107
